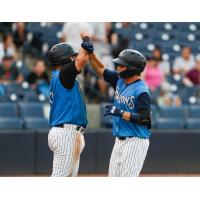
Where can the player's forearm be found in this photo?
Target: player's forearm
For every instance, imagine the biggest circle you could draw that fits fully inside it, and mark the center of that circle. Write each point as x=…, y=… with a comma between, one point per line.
x=81, y=59
x=138, y=118
x=134, y=117
x=97, y=64
x=126, y=116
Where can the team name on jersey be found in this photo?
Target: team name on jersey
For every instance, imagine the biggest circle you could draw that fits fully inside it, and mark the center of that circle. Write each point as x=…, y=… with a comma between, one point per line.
x=127, y=100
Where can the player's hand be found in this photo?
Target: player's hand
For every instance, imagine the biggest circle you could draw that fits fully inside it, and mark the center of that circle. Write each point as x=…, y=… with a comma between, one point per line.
x=113, y=110
x=85, y=35
x=86, y=44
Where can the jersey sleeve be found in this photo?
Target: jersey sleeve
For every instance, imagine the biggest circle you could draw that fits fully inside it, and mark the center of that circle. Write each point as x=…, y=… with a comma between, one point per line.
x=68, y=75
x=143, y=116
x=144, y=102
x=111, y=77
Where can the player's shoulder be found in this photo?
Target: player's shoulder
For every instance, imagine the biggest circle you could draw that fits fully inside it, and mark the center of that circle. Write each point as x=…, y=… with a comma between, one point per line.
x=141, y=87
x=55, y=72
x=142, y=83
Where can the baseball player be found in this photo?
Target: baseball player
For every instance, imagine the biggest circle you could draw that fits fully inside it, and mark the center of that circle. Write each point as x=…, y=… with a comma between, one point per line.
x=131, y=112
x=68, y=111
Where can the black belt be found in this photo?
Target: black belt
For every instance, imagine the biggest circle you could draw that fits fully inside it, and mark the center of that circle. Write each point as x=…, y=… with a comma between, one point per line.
x=123, y=138
x=62, y=126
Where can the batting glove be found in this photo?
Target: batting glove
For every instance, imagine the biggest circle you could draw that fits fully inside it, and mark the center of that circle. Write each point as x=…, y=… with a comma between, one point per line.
x=113, y=110
x=87, y=45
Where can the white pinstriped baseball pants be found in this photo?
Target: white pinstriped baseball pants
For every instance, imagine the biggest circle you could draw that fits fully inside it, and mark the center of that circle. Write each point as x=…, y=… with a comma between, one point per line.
x=67, y=144
x=128, y=157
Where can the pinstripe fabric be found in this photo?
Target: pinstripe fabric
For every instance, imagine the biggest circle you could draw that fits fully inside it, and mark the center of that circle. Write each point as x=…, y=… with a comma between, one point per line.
x=67, y=145
x=128, y=157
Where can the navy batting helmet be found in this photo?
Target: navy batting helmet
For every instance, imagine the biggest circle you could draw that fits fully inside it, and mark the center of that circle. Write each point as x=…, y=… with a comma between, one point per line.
x=133, y=59
x=60, y=54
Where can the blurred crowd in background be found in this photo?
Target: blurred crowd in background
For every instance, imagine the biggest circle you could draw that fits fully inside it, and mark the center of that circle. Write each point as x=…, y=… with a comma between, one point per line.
x=172, y=51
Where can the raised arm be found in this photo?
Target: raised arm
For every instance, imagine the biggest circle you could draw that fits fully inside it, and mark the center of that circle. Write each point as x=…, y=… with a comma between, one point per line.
x=69, y=72
x=81, y=59
x=108, y=75
x=93, y=58
x=97, y=64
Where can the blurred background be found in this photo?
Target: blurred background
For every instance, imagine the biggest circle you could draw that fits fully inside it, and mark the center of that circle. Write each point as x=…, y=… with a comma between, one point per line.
x=172, y=74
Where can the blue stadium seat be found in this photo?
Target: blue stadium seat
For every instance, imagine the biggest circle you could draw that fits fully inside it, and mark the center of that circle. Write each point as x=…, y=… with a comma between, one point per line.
x=196, y=48
x=14, y=88
x=36, y=123
x=145, y=26
x=31, y=96
x=141, y=46
x=165, y=26
x=4, y=98
x=193, y=123
x=194, y=111
x=162, y=37
x=29, y=109
x=154, y=94
x=154, y=111
x=8, y=109
x=33, y=27
x=154, y=114
x=174, y=80
x=58, y=26
x=137, y=29
x=159, y=26
x=187, y=92
x=188, y=26
x=105, y=121
x=170, y=123
x=11, y=123
x=172, y=112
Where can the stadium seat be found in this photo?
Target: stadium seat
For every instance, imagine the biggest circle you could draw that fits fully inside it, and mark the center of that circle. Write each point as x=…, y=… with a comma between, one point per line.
x=11, y=123
x=172, y=112
x=29, y=109
x=187, y=92
x=193, y=123
x=145, y=26
x=153, y=115
x=188, y=27
x=169, y=123
x=14, y=88
x=154, y=94
x=31, y=96
x=175, y=80
x=162, y=37
x=8, y=110
x=165, y=26
x=143, y=46
x=33, y=27
x=4, y=98
x=153, y=111
x=105, y=121
x=194, y=111
x=196, y=48
x=36, y=123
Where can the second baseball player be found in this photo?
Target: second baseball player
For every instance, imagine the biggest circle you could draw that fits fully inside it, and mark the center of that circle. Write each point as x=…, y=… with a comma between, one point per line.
x=131, y=112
